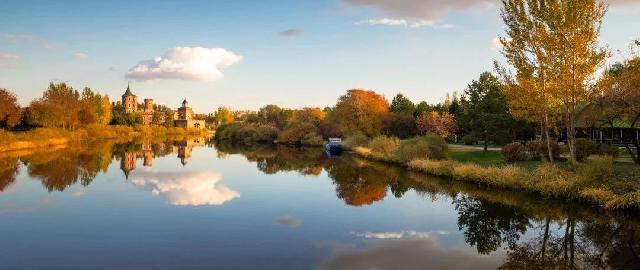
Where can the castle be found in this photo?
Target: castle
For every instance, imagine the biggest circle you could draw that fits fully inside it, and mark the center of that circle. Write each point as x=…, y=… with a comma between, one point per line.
x=130, y=105
x=182, y=118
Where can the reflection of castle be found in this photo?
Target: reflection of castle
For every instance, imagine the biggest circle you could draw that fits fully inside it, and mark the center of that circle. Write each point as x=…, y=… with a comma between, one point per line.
x=147, y=153
x=128, y=159
x=184, y=118
x=185, y=147
x=130, y=105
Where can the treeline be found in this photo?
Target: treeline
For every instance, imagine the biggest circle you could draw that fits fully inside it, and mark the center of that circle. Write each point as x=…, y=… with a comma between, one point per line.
x=62, y=106
x=480, y=112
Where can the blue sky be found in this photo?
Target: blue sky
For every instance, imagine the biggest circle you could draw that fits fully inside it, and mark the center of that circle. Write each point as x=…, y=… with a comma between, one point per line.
x=331, y=46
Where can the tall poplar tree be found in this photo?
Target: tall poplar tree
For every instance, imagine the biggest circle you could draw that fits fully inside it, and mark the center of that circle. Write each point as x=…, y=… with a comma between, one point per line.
x=553, y=47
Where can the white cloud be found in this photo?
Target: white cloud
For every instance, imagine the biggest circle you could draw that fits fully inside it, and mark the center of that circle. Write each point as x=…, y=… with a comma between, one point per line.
x=194, y=188
x=81, y=56
x=404, y=23
x=185, y=63
x=292, y=33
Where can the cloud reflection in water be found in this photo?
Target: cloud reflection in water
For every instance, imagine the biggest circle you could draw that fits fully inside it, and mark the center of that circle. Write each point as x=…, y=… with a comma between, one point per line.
x=185, y=188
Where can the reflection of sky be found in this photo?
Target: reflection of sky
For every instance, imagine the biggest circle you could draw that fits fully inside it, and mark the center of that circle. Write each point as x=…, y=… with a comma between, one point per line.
x=185, y=188
x=421, y=253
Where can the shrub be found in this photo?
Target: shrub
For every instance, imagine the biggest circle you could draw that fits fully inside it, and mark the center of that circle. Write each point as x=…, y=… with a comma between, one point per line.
x=584, y=148
x=469, y=140
x=384, y=147
x=330, y=130
x=247, y=133
x=435, y=167
x=312, y=139
x=355, y=140
x=596, y=169
x=430, y=146
x=294, y=134
x=515, y=152
x=608, y=150
x=538, y=149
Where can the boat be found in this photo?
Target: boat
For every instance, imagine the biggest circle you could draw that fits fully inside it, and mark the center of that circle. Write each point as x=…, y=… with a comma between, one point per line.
x=334, y=146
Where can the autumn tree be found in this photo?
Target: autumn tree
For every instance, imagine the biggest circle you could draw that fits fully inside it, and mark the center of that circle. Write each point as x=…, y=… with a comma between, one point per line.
x=309, y=115
x=58, y=107
x=399, y=125
x=619, y=98
x=223, y=116
x=553, y=46
x=441, y=124
x=10, y=112
x=274, y=115
x=360, y=111
x=483, y=109
x=95, y=108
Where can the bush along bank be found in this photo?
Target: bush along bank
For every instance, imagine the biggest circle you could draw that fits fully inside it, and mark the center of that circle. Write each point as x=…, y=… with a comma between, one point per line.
x=587, y=181
x=303, y=134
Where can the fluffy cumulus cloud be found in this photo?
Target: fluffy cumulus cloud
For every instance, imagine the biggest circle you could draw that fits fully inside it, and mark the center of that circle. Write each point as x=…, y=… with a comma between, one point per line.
x=433, y=9
x=185, y=63
x=194, y=188
x=410, y=254
x=292, y=33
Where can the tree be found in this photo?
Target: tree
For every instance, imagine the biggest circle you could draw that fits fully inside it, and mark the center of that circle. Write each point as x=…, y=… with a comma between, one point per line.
x=223, y=116
x=274, y=115
x=59, y=106
x=399, y=125
x=553, y=45
x=441, y=124
x=619, y=96
x=309, y=115
x=360, y=111
x=422, y=108
x=95, y=108
x=402, y=105
x=483, y=109
x=10, y=112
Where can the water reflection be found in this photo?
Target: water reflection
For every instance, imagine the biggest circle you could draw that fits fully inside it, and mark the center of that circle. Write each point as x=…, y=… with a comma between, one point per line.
x=535, y=233
x=503, y=229
x=185, y=188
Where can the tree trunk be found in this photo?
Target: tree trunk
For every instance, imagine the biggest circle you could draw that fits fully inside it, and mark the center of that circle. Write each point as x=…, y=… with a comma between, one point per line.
x=571, y=136
x=485, y=142
x=545, y=239
x=548, y=137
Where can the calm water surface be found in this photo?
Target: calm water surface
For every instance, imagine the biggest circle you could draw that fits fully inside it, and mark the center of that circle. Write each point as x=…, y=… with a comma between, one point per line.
x=188, y=204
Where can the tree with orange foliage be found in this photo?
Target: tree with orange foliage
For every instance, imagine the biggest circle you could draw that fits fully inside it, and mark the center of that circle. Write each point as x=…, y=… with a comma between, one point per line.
x=10, y=112
x=441, y=124
x=360, y=111
x=308, y=115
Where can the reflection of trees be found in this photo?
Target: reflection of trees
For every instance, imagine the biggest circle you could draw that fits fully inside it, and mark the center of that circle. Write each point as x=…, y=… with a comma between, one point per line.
x=272, y=159
x=358, y=183
x=9, y=168
x=62, y=168
x=487, y=225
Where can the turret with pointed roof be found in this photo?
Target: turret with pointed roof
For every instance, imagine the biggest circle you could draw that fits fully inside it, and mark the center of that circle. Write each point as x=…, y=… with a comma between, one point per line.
x=129, y=101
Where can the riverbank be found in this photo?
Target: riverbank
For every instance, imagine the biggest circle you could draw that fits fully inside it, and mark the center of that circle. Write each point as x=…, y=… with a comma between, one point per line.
x=597, y=181
x=53, y=137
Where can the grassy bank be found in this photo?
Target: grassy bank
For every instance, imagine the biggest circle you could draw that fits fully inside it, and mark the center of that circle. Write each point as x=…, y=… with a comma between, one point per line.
x=597, y=180
x=52, y=137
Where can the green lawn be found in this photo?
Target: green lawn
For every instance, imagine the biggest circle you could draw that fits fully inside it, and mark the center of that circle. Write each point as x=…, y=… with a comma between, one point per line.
x=477, y=156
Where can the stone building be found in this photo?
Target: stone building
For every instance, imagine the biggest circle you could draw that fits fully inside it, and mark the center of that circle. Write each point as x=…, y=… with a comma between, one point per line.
x=184, y=118
x=130, y=105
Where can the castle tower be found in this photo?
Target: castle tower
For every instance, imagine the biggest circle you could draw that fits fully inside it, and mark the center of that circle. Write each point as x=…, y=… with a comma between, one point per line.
x=129, y=101
x=128, y=163
x=147, y=112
